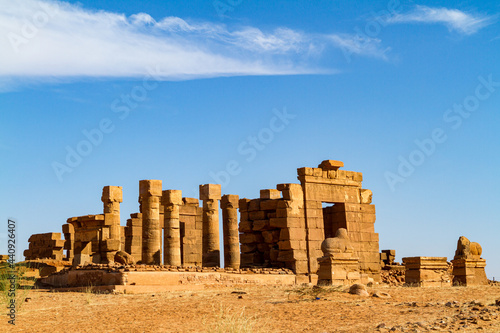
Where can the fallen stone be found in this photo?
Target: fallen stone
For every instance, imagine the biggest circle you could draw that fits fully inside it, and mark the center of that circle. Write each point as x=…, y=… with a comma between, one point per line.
x=358, y=289
x=381, y=294
x=124, y=258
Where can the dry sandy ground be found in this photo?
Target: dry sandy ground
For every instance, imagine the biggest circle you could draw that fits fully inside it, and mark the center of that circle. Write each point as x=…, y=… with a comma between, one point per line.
x=263, y=309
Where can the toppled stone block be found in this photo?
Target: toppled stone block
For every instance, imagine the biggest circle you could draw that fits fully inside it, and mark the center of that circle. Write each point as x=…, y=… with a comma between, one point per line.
x=124, y=258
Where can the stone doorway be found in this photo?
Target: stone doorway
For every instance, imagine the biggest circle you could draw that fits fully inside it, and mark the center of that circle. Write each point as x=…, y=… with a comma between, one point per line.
x=334, y=217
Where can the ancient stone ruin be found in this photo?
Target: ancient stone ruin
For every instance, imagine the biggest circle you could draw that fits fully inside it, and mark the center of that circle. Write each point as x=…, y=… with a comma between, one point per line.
x=49, y=245
x=338, y=266
x=322, y=230
x=4, y=258
x=468, y=266
x=427, y=271
x=466, y=269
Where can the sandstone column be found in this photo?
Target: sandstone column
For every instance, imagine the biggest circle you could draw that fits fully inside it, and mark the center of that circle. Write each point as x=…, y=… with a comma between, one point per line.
x=210, y=194
x=149, y=197
x=111, y=198
x=133, y=239
x=171, y=200
x=229, y=205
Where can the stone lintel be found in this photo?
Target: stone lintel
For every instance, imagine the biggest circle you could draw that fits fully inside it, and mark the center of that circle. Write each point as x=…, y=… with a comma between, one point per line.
x=343, y=182
x=191, y=201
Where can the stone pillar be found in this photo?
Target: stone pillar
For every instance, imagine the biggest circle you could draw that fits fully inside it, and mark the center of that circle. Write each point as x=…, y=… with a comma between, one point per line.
x=469, y=272
x=133, y=239
x=210, y=194
x=111, y=198
x=292, y=239
x=171, y=200
x=149, y=197
x=229, y=205
x=338, y=266
x=69, y=243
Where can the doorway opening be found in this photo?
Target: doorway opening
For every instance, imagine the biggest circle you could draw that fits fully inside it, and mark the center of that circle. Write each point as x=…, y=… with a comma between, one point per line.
x=334, y=217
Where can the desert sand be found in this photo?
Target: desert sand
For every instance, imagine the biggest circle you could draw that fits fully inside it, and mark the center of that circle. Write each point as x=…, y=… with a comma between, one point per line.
x=263, y=309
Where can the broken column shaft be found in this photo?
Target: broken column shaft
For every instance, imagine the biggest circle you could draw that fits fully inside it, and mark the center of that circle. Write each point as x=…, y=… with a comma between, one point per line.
x=229, y=205
x=210, y=194
x=149, y=197
x=111, y=198
x=171, y=200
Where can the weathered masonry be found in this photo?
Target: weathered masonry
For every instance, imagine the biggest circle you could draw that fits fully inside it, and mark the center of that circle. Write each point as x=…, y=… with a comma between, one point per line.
x=283, y=228
x=287, y=226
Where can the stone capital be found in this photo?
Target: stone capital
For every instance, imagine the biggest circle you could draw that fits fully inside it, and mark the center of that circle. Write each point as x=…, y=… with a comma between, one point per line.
x=150, y=187
x=210, y=191
x=112, y=194
x=230, y=201
x=171, y=197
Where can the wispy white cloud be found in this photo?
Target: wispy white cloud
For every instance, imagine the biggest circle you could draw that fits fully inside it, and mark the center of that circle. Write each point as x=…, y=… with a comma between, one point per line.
x=360, y=45
x=454, y=19
x=54, y=39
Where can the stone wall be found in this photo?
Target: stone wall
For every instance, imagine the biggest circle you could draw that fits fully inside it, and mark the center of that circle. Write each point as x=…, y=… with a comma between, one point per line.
x=283, y=228
x=45, y=246
x=191, y=220
x=301, y=219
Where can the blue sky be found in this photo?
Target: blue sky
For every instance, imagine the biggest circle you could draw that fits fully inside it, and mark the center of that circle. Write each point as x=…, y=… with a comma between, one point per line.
x=406, y=92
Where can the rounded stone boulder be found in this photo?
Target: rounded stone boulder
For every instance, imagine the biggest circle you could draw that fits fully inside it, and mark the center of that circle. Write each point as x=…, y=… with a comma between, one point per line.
x=359, y=289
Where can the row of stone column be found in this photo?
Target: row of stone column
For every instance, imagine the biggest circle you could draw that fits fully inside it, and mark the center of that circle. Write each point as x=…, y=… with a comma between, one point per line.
x=150, y=196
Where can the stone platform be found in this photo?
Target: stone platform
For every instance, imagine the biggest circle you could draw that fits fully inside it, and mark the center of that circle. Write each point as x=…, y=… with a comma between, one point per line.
x=469, y=272
x=154, y=279
x=427, y=271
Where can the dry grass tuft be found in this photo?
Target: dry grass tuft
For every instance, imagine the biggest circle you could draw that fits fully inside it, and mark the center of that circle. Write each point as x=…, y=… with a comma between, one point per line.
x=228, y=320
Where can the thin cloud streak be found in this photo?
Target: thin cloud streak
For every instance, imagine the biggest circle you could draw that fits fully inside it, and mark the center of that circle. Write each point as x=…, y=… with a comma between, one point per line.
x=454, y=19
x=363, y=46
x=57, y=40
